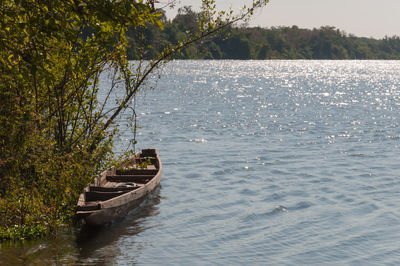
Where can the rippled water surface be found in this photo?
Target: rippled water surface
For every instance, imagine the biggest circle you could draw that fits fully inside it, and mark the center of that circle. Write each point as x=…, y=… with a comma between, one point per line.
x=265, y=162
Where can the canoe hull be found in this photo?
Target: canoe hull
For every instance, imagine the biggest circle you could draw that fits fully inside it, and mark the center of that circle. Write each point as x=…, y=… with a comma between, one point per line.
x=117, y=207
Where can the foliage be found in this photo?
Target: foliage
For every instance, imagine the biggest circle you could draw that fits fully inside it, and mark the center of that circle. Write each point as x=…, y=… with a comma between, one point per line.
x=56, y=134
x=267, y=43
x=26, y=216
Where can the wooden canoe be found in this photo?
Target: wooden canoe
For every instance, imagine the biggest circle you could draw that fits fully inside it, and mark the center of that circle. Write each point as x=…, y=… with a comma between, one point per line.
x=121, y=189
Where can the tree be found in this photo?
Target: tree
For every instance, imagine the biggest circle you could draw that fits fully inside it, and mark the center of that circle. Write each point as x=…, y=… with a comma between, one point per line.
x=262, y=54
x=55, y=133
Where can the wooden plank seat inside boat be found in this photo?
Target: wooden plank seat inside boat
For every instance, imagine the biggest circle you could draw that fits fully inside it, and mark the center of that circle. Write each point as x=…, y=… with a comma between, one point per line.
x=89, y=206
x=152, y=171
x=113, y=189
x=141, y=179
x=102, y=196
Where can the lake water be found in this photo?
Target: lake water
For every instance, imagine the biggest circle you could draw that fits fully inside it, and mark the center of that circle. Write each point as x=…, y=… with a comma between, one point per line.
x=265, y=163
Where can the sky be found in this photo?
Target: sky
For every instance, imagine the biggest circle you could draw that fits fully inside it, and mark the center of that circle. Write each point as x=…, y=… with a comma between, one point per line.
x=364, y=18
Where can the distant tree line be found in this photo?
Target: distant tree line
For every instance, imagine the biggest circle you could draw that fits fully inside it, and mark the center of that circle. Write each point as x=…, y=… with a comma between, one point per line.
x=260, y=43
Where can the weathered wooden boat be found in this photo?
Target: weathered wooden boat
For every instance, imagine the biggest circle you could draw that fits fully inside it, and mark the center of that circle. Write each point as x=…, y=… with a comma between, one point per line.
x=120, y=189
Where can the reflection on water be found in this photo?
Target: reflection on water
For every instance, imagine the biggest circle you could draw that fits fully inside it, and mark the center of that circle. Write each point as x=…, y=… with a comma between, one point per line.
x=85, y=245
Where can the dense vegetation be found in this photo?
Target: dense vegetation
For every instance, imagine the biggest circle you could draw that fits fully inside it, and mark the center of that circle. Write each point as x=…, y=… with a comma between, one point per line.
x=266, y=43
x=53, y=134
x=56, y=134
